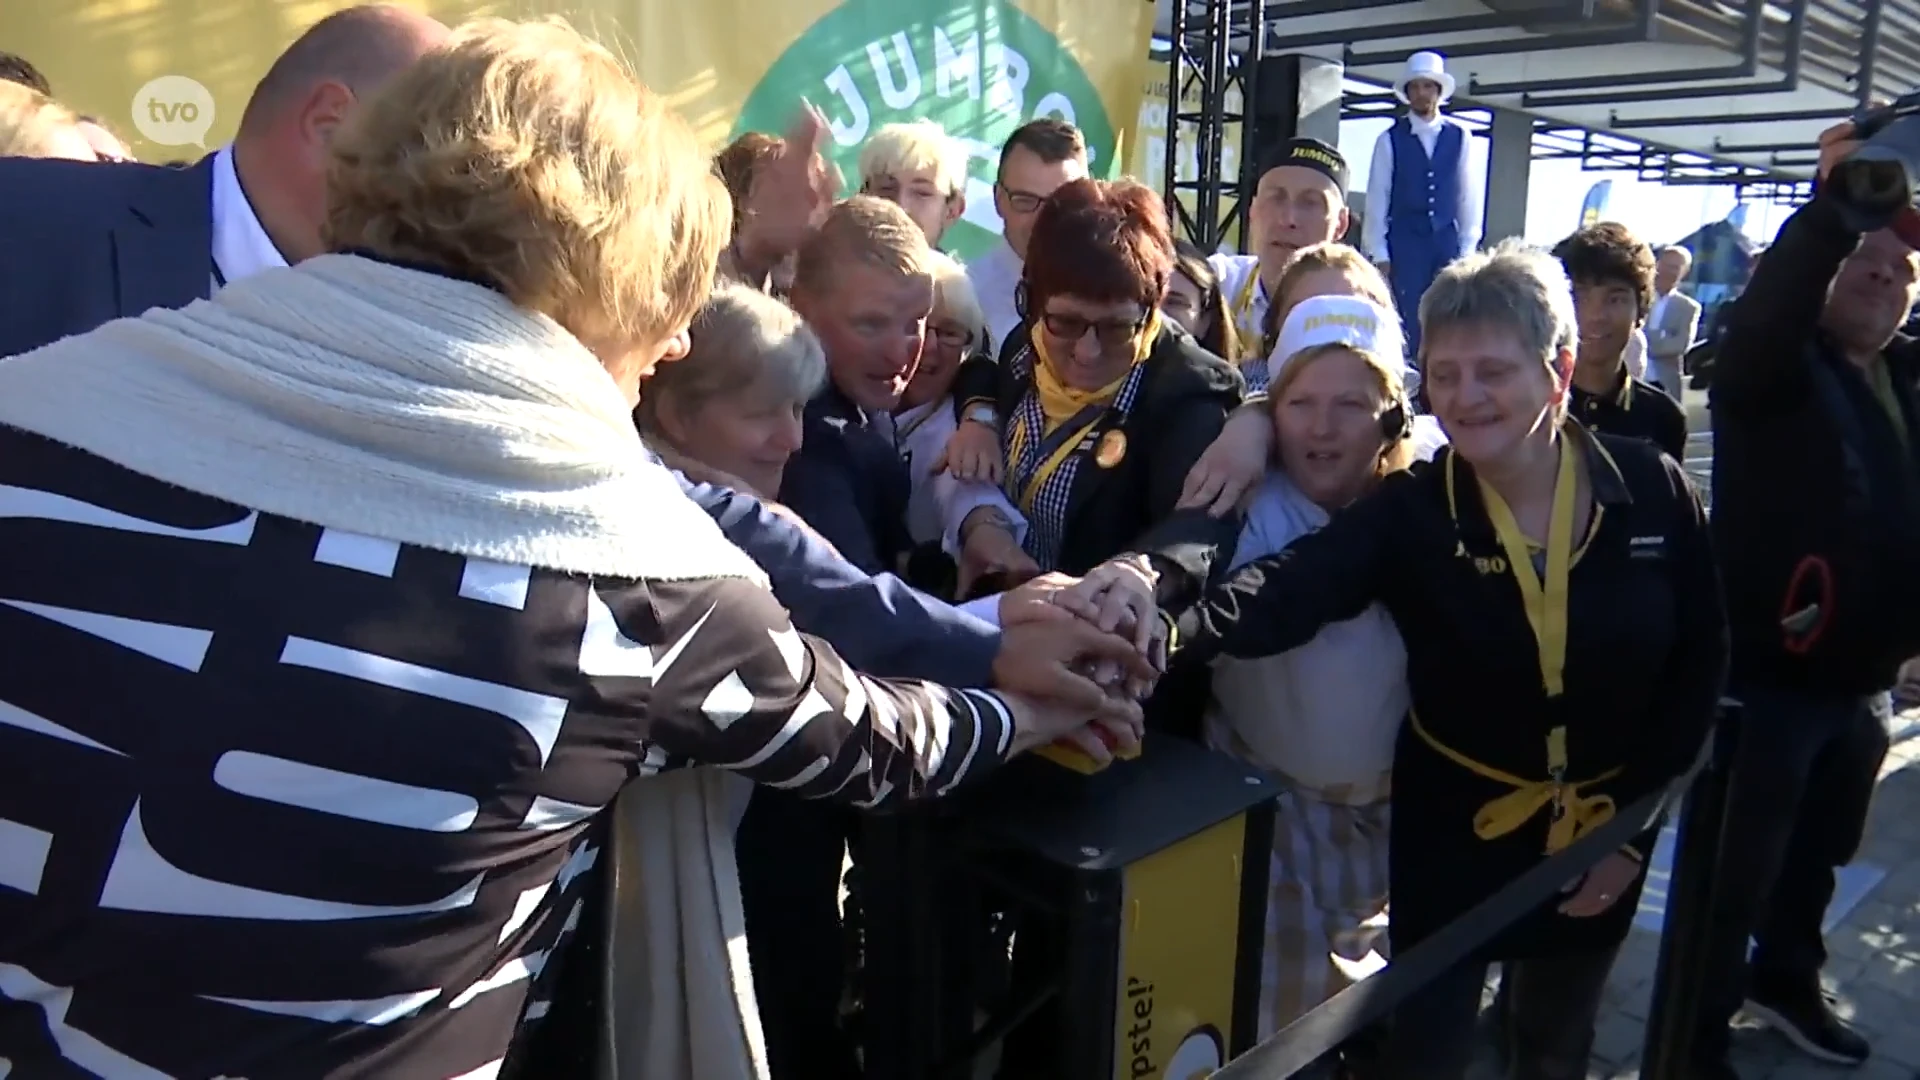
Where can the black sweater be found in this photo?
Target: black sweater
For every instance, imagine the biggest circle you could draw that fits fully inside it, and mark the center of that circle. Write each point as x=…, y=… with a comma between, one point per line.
x=1816, y=499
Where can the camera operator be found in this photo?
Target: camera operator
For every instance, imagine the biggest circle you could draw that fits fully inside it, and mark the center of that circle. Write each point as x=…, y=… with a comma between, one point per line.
x=1816, y=492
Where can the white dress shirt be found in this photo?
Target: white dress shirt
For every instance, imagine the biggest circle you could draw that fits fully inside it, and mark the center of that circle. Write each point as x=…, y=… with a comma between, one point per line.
x=1468, y=215
x=1636, y=355
x=241, y=247
x=995, y=275
x=1246, y=299
x=940, y=503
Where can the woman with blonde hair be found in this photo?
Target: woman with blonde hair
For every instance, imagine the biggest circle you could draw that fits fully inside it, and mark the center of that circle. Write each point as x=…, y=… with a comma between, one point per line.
x=1321, y=718
x=382, y=603
x=1333, y=269
x=733, y=404
x=34, y=125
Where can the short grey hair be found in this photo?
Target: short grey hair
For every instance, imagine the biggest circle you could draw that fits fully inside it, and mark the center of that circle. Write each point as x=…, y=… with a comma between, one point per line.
x=741, y=339
x=1514, y=286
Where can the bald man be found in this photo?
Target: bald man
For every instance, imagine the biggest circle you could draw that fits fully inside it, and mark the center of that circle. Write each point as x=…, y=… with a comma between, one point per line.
x=90, y=244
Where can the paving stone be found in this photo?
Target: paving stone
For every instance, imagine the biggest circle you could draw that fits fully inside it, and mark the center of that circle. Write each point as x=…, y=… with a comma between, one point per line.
x=1874, y=970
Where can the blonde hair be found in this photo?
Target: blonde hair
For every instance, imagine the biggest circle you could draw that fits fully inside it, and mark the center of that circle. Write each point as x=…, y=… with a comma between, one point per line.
x=954, y=292
x=1366, y=279
x=30, y=121
x=1388, y=381
x=526, y=155
x=865, y=230
x=742, y=339
x=911, y=147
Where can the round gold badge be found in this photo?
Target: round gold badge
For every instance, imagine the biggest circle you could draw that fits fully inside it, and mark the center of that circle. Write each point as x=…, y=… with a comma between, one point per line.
x=1112, y=448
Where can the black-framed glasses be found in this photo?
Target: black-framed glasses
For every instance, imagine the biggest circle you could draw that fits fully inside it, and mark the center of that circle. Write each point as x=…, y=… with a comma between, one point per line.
x=1108, y=332
x=1024, y=202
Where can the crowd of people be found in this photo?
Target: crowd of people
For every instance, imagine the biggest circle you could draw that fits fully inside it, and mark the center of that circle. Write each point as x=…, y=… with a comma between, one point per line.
x=465, y=386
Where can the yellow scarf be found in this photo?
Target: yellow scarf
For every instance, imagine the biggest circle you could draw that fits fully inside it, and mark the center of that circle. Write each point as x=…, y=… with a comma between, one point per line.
x=1060, y=402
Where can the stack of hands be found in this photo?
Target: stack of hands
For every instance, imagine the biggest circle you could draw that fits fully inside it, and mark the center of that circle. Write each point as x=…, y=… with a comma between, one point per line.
x=1077, y=656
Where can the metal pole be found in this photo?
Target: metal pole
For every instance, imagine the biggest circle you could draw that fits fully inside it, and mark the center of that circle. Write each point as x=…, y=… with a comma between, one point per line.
x=1686, y=946
x=1176, y=77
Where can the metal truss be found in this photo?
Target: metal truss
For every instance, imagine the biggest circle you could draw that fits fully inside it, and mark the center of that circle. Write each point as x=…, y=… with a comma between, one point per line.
x=1213, y=53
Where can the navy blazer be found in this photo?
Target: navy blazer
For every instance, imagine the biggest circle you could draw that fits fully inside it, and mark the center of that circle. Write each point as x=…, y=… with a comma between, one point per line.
x=87, y=243
x=849, y=483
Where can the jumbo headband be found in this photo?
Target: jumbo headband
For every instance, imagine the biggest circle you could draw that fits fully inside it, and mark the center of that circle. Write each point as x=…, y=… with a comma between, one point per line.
x=1352, y=321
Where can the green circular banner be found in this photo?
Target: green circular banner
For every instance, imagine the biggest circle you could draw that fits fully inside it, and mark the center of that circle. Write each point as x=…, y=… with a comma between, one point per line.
x=979, y=68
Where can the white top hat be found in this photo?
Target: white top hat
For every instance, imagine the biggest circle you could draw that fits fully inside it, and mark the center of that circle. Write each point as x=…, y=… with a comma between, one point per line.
x=1352, y=321
x=1430, y=66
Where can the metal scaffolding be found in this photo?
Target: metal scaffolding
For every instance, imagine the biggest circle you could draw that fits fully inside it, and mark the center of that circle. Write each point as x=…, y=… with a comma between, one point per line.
x=1213, y=52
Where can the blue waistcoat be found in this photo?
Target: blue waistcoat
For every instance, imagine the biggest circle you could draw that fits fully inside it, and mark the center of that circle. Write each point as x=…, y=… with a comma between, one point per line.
x=1426, y=193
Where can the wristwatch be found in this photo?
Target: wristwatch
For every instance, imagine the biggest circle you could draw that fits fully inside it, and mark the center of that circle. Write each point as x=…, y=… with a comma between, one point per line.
x=982, y=414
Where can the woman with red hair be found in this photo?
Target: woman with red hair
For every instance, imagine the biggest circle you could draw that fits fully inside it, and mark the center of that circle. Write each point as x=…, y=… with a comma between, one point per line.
x=1102, y=405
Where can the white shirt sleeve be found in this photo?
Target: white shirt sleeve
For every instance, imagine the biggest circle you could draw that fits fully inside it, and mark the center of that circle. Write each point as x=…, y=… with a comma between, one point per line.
x=986, y=608
x=1470, y=216
x=956, y=500
x=1636, y=356
x=1373, y=231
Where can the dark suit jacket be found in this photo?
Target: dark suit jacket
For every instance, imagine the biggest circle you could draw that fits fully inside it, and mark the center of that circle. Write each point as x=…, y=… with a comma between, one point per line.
x=849, y=483
x=86, y=243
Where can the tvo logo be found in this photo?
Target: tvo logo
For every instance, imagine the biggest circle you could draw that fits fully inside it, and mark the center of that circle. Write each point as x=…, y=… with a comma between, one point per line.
x=173, y=110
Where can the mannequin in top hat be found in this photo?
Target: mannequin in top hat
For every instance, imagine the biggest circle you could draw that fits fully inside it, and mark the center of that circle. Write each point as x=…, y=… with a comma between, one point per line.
x=1424, y=203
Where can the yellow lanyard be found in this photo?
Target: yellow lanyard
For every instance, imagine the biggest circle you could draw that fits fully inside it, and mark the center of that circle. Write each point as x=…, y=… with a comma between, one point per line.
x=1546, y=605
x=1574, y=812
x=1024, y=494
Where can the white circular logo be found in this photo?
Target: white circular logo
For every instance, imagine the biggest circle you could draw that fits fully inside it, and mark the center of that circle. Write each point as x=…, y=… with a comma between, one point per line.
x=1200, y=1055
x=173, y=110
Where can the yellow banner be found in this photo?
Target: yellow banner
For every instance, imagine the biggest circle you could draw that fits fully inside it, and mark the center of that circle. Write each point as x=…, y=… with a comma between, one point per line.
x=1148, y=159
x=979, y=67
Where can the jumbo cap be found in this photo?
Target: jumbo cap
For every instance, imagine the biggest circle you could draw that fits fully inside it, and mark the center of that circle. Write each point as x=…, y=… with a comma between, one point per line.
x=1352, y=321
x=1310, y=154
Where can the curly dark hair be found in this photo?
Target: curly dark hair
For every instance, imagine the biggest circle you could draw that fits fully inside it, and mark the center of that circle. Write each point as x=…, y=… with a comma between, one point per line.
x=1609, y=254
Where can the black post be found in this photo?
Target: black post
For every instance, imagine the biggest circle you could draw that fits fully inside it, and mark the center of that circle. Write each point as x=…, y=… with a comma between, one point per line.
x=1686, y=947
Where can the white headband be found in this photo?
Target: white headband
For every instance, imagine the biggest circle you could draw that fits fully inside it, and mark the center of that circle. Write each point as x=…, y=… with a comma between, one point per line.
x=1352, y=321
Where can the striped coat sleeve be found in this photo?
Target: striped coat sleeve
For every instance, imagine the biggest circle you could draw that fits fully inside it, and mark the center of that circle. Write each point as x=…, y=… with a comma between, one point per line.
x=735, y=685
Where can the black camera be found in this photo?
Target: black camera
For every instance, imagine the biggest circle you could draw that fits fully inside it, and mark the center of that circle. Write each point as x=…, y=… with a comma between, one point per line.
x=1882, y=177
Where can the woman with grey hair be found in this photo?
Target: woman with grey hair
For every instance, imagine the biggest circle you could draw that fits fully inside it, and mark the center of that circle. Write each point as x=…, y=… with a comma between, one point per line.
x=733, y=404
x=1565, y=650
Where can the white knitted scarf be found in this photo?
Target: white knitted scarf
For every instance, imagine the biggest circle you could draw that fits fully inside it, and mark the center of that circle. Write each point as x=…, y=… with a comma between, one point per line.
x=413, y=407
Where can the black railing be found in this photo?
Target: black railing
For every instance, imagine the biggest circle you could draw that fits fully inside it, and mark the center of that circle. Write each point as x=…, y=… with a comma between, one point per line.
x=1677, y=976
